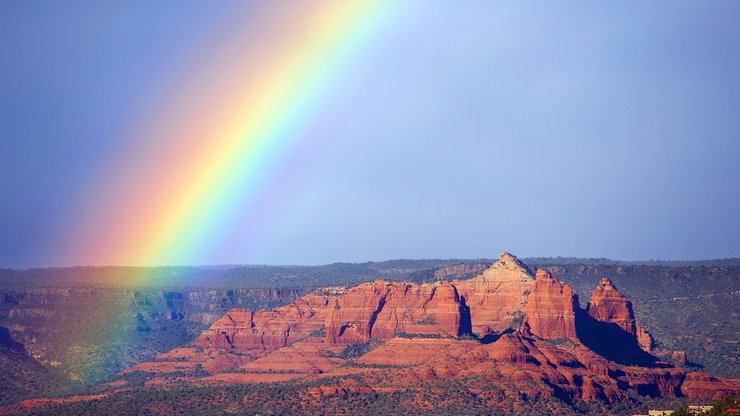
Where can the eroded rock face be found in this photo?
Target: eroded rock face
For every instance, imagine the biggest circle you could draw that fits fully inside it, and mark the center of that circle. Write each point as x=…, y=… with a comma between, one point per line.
x=704, y=386
x=382, y=309
x=577, y=371
x=352, y=316
x=266, y=330
x=679, y=357
x=551, y=310
x=497, y=296
x=607, y=326
x=609, y=305
x=644, y=339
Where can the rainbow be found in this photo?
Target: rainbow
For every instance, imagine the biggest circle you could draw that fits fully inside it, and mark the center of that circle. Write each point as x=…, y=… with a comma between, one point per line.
x=205, y=171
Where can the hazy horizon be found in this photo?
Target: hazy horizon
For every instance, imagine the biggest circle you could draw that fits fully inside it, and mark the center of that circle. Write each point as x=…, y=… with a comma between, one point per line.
x=462, y=259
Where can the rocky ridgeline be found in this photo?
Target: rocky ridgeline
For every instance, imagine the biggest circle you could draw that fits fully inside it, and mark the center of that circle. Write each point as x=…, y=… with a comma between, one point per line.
x=518, y=331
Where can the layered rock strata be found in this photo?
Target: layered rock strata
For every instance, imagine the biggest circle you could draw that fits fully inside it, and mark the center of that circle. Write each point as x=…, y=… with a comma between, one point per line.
x=551, y=310
x=609, y=305
x=458, y=330
x=644, y=339
x=497, y=296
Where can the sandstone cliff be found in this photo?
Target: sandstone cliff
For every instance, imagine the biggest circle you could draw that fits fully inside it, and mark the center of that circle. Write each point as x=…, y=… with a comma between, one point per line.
x=460, y=330
x=644, y=339
x=609, y=305
x=382, y=309
x=498, y=296
x=551, y=310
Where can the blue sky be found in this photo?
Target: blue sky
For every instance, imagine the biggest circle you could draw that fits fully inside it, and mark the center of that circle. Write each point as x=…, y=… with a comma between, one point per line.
x=545, y=129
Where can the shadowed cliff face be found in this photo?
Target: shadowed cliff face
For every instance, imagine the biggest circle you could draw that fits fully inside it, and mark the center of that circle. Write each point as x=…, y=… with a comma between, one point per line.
x=609, y=305
x=610, y=341
x=21, y=374
x=688, y=310
x=607, y=326
x=6, y=342
x=466, y=322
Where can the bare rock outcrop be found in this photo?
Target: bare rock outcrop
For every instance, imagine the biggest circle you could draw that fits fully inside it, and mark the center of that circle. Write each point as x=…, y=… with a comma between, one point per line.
x=644, y=339
x=704, y=386
x=266, y=330
x=382, y=309
x=497, y=296
x=551, y=310
x=609, y=305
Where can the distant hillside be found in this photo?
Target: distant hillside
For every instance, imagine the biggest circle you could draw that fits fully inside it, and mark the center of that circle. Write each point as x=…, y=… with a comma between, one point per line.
x=269, y=277
x=557, y=261
x=230, y=276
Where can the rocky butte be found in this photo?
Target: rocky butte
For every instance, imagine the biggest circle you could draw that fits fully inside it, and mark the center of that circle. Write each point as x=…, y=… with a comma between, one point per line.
x=517, y=333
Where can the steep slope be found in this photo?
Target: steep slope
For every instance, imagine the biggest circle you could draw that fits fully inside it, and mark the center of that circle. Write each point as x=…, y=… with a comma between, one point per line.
x=686, y=307
x=22, y=375
x=644, y=339
x=551, y=310
x=609, y=305
x=382, y=309
x=497, y=296
x=608, y=327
